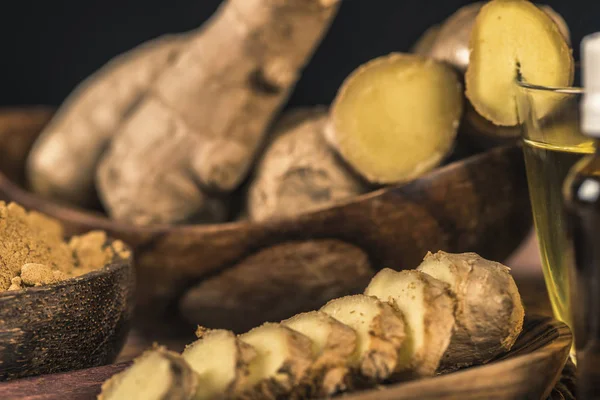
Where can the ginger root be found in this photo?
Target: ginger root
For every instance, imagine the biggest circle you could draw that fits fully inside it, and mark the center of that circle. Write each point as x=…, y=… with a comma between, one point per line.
x=334, y=343
x=62, y=162
x=158, y=374
x=283, y=359
x=299, y=172
x=456, y=310
x=512, y=38
x=449, y=41
x=380, y=332
x=428, y=310
x=489, y=314
x=221, y=361
x=196, y=128
x=396, y=117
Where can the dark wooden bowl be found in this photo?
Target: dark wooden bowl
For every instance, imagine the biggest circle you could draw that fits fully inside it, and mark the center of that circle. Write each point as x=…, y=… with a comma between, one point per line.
x=243, y=273
x=77, y=323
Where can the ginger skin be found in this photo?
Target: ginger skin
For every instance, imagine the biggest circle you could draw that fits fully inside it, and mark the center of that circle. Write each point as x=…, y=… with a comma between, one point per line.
x=194, y=129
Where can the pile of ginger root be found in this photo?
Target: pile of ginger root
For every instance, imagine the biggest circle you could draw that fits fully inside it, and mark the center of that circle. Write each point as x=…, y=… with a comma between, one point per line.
x=453, y=311
x=174, y=130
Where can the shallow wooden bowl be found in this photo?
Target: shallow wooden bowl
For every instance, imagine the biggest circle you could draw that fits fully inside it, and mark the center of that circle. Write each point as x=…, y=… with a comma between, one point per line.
x=237, y=275
x=529, y=371
x=77, y=323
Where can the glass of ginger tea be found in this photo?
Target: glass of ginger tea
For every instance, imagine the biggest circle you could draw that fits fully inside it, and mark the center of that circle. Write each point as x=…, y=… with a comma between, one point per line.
x=552, y=144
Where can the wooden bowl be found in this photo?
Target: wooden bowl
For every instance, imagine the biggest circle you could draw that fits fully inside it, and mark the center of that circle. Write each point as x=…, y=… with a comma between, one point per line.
x=529, y=371
x=236, y=275
x=77, y=323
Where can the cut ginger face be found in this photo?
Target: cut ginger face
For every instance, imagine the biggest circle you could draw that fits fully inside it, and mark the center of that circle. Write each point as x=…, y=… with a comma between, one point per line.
x=396, y=117
x=512, y=38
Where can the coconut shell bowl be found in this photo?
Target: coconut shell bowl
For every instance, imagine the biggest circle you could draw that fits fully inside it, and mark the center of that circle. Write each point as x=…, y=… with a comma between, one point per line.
x=237, y=275
x=77, y=323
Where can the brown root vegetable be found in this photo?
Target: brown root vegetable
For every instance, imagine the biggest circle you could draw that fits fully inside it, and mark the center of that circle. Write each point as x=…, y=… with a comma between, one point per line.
x=380, y=333
x=158, y=374
x=428, y=311
x=62, y=162
x=334, y=343
x=247, y=294
x=451, y=41
x=396, y=117
x=489, y=313
x=498, y=54
x=423, y=44
x=199, y=129
x=299, y=172
x=283, y=358
x=221, y=362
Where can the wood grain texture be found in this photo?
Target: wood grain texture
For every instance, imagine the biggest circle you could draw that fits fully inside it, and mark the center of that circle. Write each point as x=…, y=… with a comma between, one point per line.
x=302, y=276
x=77, y=323
x=479, y=204
x=529, y=371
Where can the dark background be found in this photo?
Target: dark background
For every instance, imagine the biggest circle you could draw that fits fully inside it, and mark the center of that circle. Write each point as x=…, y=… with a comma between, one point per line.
x=47, y=47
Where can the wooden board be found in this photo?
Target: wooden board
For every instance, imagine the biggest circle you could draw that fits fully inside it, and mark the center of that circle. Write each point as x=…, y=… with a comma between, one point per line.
x=529, y=371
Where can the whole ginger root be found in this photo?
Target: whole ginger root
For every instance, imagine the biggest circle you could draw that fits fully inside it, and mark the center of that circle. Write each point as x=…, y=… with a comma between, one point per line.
x=194, y=129
x=298, y=171
x=62, y=162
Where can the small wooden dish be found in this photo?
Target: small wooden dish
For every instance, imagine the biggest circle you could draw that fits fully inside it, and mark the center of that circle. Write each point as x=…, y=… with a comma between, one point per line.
x=243, y=273
x=529, y=371
x=78, y=323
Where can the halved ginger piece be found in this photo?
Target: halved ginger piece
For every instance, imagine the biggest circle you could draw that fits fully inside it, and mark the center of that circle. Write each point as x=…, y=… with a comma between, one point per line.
x=428, y=310
x=512, y=37
x=334, y=343
x=396, y=117
x=221, y=361
x=158, y=374
x=380, y=332
x=489, y=313
x=283, y=357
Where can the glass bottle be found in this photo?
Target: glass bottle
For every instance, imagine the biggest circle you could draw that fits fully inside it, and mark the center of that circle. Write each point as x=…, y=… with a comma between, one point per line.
x=581, y=192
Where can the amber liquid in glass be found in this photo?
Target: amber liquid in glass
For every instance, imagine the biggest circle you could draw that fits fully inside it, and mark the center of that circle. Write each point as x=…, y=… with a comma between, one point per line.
x=547, y=166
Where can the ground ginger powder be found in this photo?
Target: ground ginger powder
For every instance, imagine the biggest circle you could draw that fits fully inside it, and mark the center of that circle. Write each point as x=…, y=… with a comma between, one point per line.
x=33, y=251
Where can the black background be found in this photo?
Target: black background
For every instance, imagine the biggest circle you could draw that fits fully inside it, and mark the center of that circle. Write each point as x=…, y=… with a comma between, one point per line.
x=47, y=47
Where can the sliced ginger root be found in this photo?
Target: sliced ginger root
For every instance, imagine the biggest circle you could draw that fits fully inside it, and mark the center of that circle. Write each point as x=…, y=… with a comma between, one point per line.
x=512, y=37
x=334, y=343
x=380, y=332
x=158, y=374
x=428, y=310
x=489, y=314
x=221, y=362
x=283, y=358
x=396, y=117
x=449, y=41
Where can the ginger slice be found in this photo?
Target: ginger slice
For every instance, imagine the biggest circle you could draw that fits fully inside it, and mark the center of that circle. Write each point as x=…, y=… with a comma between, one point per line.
x=489, y=314
x=158, y=374
x=512, y=37
x=221, y=361
x=334, y=343
x=449, y=41
x=396, y=117
x=380, y=331
x=282, y=361
x=428, y=310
